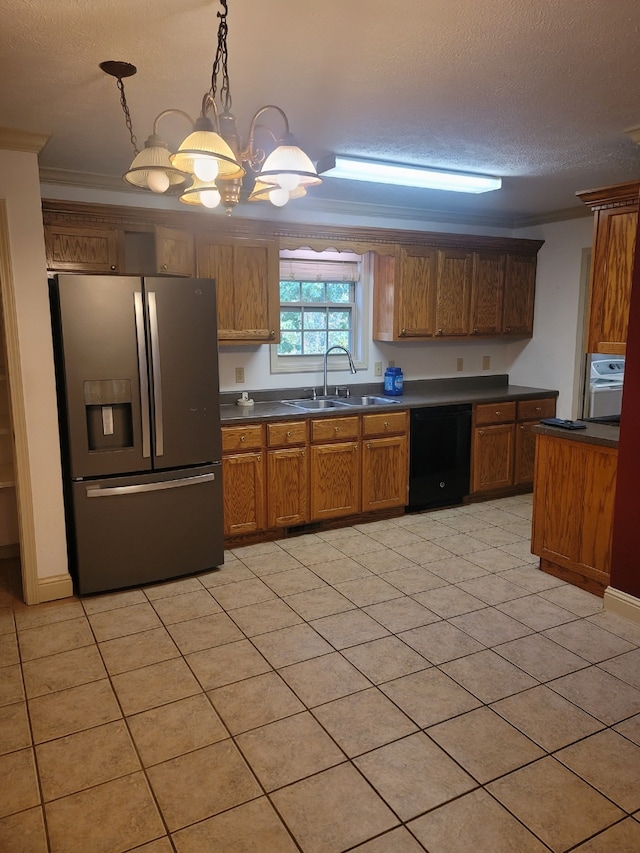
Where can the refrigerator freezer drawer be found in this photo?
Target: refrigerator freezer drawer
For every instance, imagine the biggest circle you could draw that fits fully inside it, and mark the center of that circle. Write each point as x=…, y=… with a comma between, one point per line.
x=136, y=530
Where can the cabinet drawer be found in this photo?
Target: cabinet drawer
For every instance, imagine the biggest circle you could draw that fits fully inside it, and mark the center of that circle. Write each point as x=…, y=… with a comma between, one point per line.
x=326, y=429
x=495, y=413
x=532, y=410
x=241, y=438
x=284, y=434
x=387, y=423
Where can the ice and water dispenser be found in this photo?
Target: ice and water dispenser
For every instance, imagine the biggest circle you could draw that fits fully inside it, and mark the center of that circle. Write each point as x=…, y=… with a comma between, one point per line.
x=109, y=415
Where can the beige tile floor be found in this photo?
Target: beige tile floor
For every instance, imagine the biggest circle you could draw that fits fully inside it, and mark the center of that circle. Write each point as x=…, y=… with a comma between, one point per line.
x=405, y=685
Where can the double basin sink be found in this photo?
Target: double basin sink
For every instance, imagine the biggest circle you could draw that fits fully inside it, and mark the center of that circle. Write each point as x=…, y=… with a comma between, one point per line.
x=333, y=403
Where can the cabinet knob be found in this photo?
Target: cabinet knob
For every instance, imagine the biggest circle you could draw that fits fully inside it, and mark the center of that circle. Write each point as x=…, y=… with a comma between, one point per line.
x=369, y=445
x=480, y=432
x=337, y=429
x=243, y=438
x=439, y=332
x=304, y=453
x=114, y=267
x=259, y=458
x=272, y=334
x=165, y=267
x=498, y=413
x=288, y=433
x=403, y=332
x=355, y=447
x=522, y=427
x=474, y=331
x=538, y=408
x=508, y=329
x=386, y=424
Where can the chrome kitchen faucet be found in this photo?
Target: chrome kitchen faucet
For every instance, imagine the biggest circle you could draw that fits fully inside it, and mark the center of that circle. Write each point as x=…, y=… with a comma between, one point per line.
x=351, y=364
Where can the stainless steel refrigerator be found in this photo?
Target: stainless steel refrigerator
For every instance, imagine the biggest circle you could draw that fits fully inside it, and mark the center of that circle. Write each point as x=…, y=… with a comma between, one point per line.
x=137, y=375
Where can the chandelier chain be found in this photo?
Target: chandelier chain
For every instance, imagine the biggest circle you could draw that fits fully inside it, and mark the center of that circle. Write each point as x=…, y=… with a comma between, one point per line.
x=127, y=116
x=220, y=61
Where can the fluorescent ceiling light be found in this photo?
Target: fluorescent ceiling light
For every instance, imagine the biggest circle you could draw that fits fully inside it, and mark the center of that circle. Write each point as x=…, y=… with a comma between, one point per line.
x=351, y=169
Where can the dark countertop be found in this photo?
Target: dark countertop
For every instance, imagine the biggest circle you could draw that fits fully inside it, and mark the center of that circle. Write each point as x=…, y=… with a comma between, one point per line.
x=418, y=394
x=606, y=435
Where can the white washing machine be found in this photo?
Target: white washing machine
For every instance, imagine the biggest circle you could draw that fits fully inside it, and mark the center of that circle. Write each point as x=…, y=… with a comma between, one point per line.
x=605, y=385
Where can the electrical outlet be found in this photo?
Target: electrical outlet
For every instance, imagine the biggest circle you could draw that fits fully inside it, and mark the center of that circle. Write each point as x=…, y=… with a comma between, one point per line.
x=486, y=362
x=392, y=364
x=459, y=364
x=378, y=368
x=239, y=374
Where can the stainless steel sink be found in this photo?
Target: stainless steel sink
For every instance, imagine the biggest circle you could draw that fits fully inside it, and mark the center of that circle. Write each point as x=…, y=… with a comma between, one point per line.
x=316, y=404
x=368, y=400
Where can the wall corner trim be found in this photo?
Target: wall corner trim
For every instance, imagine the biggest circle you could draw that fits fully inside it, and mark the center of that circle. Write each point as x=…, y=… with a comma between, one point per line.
x=622, y=604
x=12, y=139
x=55, y=587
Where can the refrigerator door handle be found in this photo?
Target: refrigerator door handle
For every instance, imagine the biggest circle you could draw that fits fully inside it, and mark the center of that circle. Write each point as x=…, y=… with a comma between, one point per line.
x=138, y=488
x=143, y=375
x=157, y=374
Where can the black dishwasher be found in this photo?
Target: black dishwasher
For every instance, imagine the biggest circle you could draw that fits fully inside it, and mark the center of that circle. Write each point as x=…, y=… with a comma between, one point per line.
x=440, y=453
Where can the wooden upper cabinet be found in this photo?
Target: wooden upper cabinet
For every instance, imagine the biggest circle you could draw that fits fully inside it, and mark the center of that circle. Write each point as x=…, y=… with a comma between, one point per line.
x=487, y=292
x=614, y=237
x=175, y=252
x=247, y=279
x=453, y=292
x=404, y=294
x=519, y=295
x=80, y=248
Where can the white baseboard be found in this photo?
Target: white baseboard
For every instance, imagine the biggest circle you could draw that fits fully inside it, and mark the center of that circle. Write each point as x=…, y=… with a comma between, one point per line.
x=54, y=587
x=622, y=604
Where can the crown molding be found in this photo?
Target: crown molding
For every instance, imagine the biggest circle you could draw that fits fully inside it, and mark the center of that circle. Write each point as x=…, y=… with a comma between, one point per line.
x=333, y=208
x=12, y=139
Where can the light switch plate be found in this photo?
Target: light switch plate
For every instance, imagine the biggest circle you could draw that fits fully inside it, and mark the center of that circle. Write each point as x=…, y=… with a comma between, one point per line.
x=239, y=374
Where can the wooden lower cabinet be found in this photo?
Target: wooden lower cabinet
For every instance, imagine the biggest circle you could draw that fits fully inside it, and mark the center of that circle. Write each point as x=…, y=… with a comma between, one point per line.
x=573, y=502
x=384, y=473
x=244, y=498
x=335, y=480
x=287, y=487
x=503, y=450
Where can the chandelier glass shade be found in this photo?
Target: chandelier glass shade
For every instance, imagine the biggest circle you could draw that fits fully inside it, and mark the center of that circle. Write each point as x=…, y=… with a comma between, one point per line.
x=211, y=161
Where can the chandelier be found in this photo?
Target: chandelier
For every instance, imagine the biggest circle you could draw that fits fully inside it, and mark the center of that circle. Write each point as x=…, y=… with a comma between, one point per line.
x=211, y=162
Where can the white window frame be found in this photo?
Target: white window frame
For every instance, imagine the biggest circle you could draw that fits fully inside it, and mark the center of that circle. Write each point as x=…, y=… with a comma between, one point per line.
x=362, y=288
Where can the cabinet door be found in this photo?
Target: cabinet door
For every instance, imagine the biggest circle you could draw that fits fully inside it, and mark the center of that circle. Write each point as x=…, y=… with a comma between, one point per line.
x=453, y=292
x=416, y=293
x=612, y=265
x=246, y=275
x=487, y=293
x=82, y=249
x=335, y=480
x=525, y=453
x=493, y=457
x=519, y=295
x=288, y=487
x=384, y=473
x=175, y=252
x=243, y=488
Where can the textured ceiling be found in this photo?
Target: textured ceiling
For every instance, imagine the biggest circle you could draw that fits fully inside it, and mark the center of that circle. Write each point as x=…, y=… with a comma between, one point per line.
x=540, y=92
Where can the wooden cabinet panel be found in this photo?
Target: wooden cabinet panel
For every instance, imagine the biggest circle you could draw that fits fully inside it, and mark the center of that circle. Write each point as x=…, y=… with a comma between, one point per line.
x=495, y=413
x=244, y=497
x=288, y=487
x=246, y=274
x=385, y=423
x=384, y=473
x=335, y=480
x=286, y=433
x=453, y=292
x=416, y=293
x=519, y=295
x=532, y=410
x=175, y=251
x=249, y=437
x=80, y=248
x=573, y=504
x=487, y=292
x=612, y=265
x=338, y=429
x=492, y=453
x=525, y=452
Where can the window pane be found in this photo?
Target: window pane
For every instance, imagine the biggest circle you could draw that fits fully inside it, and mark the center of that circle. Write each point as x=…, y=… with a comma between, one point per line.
x=339, y=319
x=313, y=291
x=341, y=338
x=290, y=343
x=291, y=319
x=315, y=318
x=289, y=291
x=315, y=343
x=339, y=291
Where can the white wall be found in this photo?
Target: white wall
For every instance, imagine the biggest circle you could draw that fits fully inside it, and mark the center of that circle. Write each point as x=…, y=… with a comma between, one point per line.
x=551, y=358
x=20, y=189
